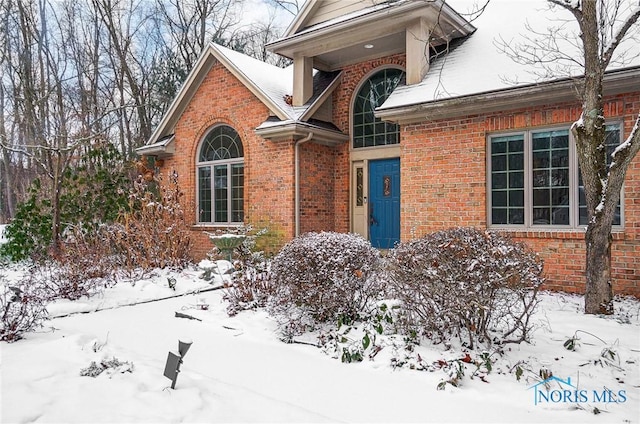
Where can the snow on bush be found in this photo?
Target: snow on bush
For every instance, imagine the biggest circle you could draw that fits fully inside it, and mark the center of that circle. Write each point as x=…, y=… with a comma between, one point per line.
x=463, y=282
x=154, y=232
x=321, y=277
x=22, y=309
x=3, y=233
x=111, y=366
x=247, y=284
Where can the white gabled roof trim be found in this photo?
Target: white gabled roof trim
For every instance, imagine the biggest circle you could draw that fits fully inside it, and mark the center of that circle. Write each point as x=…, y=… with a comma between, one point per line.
x=177, y=106
x=223, y=55
x=324, y=96
x=164, y=147
x=370, y=16
x=268, y=83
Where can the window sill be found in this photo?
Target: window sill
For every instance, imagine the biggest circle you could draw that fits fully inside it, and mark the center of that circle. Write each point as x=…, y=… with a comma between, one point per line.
x=550, y=233
x=206, y=227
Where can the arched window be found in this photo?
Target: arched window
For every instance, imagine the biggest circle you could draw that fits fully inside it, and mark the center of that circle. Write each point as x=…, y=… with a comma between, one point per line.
x=220, y=171
x=369, y=131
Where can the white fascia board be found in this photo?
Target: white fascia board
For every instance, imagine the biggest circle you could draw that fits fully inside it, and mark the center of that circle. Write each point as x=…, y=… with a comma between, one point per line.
x=277, y=131
x=321, y=98
x=188, y=88
x=545, y=93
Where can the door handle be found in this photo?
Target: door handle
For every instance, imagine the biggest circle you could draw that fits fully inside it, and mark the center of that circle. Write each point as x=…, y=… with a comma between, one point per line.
x=372, y=220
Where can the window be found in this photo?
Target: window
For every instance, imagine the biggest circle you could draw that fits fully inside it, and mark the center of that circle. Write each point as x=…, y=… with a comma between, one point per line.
x=613, y=139
x=220, y=174
x=534, y=179
x=369, y=131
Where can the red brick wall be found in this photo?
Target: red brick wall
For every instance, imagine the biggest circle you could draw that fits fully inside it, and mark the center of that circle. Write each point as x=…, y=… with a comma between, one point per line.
x=317, y=182
x=443, y=176
x=444, y=185
x=223, y=99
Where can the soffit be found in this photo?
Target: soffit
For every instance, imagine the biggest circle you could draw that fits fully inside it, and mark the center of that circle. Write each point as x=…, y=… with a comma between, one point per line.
x=341, y=40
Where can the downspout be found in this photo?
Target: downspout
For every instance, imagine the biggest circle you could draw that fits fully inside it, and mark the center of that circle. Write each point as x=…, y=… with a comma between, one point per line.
x=297, y=180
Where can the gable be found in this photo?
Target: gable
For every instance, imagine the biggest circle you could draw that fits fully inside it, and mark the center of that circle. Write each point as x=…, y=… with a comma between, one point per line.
x=330, y=35
x=318, y=11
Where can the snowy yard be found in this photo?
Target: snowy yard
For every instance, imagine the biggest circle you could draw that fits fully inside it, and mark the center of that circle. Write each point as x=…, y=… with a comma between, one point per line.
x=238, y=371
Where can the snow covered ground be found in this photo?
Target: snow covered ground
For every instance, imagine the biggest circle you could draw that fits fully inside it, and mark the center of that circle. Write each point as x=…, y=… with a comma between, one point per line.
x=3, y=236
x=238, y=371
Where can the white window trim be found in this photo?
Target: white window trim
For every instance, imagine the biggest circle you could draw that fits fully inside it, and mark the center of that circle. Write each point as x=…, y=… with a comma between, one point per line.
x=574, y=200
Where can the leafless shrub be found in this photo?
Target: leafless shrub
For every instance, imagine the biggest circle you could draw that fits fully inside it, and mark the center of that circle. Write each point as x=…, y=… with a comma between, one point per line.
x=463, y=282
x=22, y=308
x=111, y=366
x=153, y=233
x=83, y=267
x=249, y=289
x=319, y=277
x=250, y=285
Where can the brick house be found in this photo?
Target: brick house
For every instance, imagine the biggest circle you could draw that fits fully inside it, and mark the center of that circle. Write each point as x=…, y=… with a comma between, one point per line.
x=394, y=120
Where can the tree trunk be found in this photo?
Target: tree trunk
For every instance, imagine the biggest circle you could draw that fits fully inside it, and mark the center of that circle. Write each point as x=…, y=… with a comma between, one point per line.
x=10, y=208
x=599, y=291
x=55, y=211
x=590, y=144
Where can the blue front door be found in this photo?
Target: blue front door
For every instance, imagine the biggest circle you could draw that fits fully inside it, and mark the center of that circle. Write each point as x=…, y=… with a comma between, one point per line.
x=384, y=202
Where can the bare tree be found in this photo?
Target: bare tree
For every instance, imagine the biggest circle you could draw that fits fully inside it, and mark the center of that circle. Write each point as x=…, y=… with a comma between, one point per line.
x=191, y=24
x=603, y=25
x=40, y=111
x=290, y=6
x=253, y=38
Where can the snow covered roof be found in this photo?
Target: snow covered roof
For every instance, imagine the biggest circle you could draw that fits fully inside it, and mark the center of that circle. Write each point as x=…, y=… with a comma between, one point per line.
x=270, y=84
x=479, y=63
x=163, y=147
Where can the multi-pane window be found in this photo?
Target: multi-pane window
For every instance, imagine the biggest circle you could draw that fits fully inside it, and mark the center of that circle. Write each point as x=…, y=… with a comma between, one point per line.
x=220, y=173
x=534, y=179
x=507, y=179
x=369, y=131
x=612, y=141
x=550, y=182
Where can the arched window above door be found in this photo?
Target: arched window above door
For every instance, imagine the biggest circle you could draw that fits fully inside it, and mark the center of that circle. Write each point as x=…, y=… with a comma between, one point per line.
x=369, y=131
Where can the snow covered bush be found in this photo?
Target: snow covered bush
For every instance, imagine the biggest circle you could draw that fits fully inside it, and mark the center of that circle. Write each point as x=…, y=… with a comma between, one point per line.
x=111, y=366
x=321, y=277
x=250, y=285
x=153, y=232
x=83, y=267
x=476, y=285
x=69, y=279
x=22, y=309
